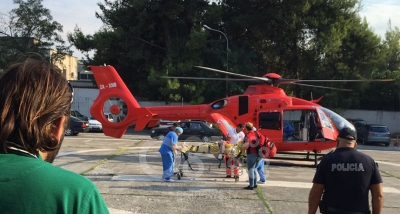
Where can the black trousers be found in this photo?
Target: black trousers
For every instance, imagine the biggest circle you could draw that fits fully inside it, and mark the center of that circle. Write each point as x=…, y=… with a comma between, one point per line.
x=331, y=210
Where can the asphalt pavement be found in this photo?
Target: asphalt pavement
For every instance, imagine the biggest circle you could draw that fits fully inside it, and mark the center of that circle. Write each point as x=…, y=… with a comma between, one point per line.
x=128, y=172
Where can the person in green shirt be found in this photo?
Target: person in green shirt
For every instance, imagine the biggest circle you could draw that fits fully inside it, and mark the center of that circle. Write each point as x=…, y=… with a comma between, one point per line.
x=35, y=103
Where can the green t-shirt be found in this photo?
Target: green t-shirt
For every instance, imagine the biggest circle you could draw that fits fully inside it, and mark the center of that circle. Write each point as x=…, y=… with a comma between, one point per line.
x=30, y=185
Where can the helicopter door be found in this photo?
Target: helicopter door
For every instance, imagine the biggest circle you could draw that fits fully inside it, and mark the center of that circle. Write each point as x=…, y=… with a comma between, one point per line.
x=224, y=123
x=326, y=127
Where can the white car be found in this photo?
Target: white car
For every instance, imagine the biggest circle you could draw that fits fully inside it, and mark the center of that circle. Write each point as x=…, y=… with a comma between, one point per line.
x=94, y=125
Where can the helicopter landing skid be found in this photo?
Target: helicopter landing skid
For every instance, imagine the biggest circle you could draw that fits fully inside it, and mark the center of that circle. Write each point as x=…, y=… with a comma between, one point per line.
x=316, y=158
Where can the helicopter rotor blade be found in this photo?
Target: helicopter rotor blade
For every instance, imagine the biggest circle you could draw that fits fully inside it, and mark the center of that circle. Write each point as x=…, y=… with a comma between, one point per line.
x=234, y=74
x=317, y=86
x=208, y=78
x=368, y=80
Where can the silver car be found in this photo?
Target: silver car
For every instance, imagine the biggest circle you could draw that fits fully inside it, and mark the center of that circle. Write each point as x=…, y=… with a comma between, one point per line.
x=373, y=133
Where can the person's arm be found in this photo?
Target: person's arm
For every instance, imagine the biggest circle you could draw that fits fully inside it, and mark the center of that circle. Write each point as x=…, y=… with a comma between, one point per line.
x=173, y=147
x=228, y=136
x=377, y=198
x=174, y=143
x=315, y=197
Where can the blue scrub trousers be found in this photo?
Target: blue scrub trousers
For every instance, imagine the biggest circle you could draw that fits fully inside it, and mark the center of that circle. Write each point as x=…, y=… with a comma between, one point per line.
x=260, y=170
x=168, y=165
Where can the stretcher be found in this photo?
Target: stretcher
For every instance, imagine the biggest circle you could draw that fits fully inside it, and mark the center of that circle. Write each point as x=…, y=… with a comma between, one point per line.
x=219, y=150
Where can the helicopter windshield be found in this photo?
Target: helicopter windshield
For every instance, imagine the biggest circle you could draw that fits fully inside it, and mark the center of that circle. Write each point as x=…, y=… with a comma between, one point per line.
x=338, y=120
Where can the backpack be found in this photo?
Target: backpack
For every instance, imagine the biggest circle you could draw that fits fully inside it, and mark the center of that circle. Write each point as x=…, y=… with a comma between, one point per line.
x=266, y=148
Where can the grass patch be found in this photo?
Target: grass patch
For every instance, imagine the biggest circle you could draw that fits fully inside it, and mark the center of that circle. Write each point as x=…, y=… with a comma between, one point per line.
x=119, y=152
x=389, y=174
x=137, y=143
x=261, y=197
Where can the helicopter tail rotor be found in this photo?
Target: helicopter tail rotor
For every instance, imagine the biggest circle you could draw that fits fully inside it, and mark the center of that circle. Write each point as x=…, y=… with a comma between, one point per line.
x=115, y=98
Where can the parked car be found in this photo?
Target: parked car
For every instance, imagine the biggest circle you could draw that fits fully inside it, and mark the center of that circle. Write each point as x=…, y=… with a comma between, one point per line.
x=191, y=129
x=374, y=133
x=94, y=125
x=77, y=114
x=358, y=124
x=76, y=126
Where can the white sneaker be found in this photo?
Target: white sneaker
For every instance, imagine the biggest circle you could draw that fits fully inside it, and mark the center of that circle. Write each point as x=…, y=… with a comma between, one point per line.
x=168, y=180
x=261, y=182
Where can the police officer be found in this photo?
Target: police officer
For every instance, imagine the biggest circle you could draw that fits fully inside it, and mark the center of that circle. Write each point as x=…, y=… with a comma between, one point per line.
x=346, y=176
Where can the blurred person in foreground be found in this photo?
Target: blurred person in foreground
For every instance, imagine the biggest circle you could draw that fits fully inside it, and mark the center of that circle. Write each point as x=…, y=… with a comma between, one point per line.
x=35, y=103
x=344, y=178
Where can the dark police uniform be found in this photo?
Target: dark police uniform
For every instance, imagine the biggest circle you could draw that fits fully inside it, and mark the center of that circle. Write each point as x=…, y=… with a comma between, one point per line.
x=347, y=176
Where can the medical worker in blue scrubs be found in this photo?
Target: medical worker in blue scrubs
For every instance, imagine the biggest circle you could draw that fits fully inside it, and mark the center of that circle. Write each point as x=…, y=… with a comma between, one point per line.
x=168, y=151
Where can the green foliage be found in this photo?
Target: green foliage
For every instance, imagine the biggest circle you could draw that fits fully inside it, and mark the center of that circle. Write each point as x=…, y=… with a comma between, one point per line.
x=30, y=28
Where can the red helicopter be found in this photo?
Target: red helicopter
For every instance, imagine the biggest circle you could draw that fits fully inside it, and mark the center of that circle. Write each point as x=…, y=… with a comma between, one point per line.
x=293, y=124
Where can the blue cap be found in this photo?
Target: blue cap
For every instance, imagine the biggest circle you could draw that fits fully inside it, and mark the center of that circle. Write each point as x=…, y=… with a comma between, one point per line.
x=179, y=129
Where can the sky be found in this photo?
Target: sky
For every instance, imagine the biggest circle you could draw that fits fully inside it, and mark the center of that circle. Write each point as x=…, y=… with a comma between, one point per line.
x=81, y=13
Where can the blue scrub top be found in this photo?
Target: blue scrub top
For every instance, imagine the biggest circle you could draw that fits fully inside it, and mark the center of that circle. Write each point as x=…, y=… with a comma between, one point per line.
x=170, y=139
x=287, y=128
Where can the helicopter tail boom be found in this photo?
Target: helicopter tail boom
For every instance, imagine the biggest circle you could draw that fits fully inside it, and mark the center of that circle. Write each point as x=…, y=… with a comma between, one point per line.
x=113, y=94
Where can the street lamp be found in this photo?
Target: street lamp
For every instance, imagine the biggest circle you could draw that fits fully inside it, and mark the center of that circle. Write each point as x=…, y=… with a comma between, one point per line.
x=227, y=48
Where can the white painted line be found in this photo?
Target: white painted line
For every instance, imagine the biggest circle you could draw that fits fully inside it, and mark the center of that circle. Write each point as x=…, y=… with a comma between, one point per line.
x=100, y=139
x=99, y=150
x=391, y=190
x=83, y=151
x=116, y=211
x=185, y=179
x=388, y=163
x=288, y=184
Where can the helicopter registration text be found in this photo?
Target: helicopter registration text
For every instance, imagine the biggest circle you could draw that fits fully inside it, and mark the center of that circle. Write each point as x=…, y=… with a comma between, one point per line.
x=110, y=85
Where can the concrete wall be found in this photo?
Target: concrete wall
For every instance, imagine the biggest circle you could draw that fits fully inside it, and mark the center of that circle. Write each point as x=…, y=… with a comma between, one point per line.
x=388, y=118
x=83, y=99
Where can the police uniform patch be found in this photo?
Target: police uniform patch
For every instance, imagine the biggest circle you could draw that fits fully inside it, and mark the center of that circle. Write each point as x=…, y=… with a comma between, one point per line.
x=347, y=167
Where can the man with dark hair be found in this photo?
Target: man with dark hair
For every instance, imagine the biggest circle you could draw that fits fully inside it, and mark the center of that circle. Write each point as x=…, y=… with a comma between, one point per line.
x=35, y=103
x=345, y=178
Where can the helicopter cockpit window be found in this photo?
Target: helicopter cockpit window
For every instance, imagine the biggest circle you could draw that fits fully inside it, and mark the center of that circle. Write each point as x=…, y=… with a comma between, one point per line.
x=325, y=122
x=338, y=120
x=270, y=120
x=219, y=104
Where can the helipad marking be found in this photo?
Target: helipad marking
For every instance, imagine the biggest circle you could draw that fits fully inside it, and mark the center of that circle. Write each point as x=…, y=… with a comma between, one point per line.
x=388, y=163
x=99, y=150
x=116, y=211
x=289, y=184
x=186, y=179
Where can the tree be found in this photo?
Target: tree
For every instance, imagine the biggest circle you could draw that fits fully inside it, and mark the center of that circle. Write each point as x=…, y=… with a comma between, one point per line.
x=392, y=45
x=144, y=40
x=303, y=39
x=30, y=29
